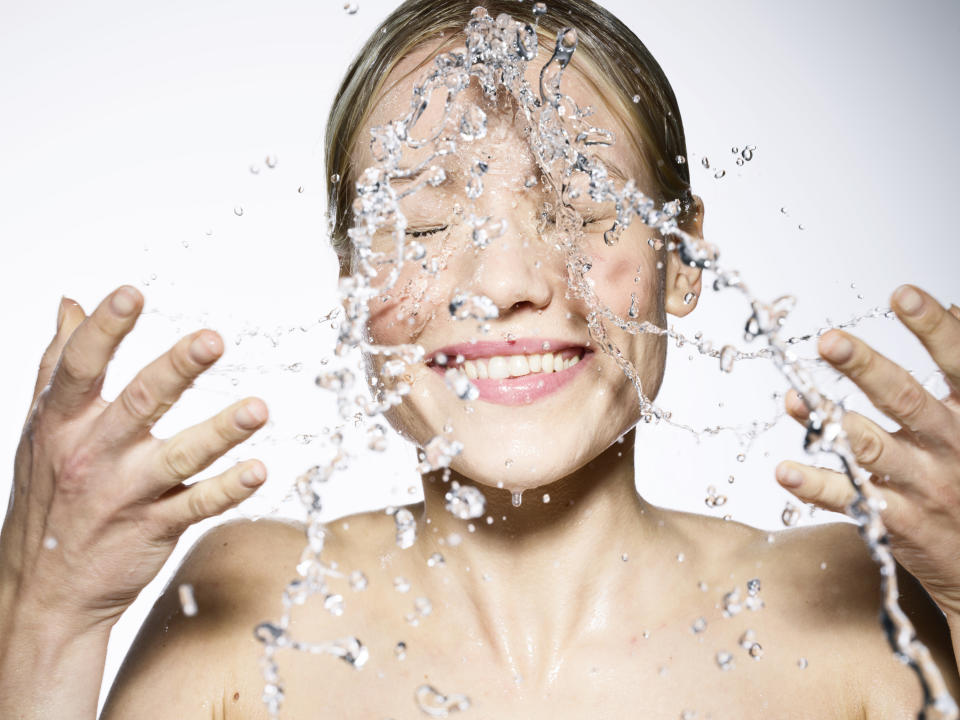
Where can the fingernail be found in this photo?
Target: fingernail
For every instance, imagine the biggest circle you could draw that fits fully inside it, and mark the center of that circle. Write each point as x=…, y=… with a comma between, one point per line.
x=836, y=348
x=253, y=475
x=205, y=348
x=61, y=312
x=908, y=299
x=124, y=301
x=250, y=415
x=789, y=476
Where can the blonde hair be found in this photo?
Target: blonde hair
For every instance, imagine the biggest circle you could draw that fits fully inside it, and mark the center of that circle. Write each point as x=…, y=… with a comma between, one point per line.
x=620, y=60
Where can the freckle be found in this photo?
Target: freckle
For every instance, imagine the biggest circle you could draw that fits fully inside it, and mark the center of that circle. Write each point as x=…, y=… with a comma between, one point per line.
x=236, y=696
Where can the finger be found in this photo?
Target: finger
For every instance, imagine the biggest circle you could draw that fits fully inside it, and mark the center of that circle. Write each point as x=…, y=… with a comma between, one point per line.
x=795, y=407
x=210, y=497
x=825, y=488
x=890, y=388
x=69, y=315
x=191, y=450
x=78, y=377
x=874, y=449
x=158, y=386
x=936, y=327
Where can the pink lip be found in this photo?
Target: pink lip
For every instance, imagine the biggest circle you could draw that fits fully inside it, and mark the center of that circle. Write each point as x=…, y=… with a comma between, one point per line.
x=522, y=390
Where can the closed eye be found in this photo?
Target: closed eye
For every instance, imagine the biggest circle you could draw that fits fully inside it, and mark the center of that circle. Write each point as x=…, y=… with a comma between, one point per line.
x=423, y=232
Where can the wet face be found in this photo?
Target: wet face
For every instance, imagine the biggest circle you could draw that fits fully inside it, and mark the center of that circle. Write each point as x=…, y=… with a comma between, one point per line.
x=550, y=399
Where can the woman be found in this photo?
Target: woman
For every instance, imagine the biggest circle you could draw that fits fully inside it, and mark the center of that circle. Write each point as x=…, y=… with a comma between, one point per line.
x=592, y=603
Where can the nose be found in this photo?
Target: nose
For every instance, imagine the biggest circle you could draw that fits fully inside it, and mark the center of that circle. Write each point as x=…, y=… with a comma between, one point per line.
x=515, y=270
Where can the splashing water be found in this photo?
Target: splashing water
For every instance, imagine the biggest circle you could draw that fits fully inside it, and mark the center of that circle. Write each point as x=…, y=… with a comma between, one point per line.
x=496, y=54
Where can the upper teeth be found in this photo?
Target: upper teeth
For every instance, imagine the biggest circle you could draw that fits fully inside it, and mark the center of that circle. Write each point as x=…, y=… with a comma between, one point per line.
x=501, y=366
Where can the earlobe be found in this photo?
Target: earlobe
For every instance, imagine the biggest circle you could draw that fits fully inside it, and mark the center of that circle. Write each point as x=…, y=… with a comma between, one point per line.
x=683, y=282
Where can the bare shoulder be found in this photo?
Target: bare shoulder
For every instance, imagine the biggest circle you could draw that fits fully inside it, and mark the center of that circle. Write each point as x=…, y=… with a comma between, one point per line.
x=206, y=665
x=834, y=586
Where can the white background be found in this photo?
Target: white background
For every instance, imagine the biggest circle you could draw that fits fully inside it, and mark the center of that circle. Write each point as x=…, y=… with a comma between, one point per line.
x=127, y=134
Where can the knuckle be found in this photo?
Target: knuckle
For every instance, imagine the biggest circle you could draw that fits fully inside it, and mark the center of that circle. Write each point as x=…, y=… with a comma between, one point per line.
x=180, y=462
x=199, y=504
x=908, y=401
x=138, y=399
x=181, y=362
x=867, y=447
x=76, y=470
x=226, y=428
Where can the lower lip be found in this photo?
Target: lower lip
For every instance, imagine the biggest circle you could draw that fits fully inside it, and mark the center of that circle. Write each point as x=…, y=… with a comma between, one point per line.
x=525, y=389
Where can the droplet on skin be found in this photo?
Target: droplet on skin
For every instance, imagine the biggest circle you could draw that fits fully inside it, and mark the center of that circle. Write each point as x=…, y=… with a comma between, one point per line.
x=50, y=542
x=546, y=498
x=400, y=650
x=724, y=660
x=187, y=602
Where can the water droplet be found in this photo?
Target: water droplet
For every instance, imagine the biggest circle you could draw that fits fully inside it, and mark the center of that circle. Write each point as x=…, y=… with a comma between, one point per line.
x=333, y=604
x=435, y=704
x=254, y=169
x=516, y=498
x=406, y=526
x=270, y=161
x=747, y=153
x=401, y=584
x=719, y=173
x=300, y=189
x=335, y=178
x=728, y=356
x=465, y=501
x=688, y=298
x=705, y=161
x=636, y=98
x=680, y=557
x=731, y=603
x=681, y=160
x=724, y=660
x=545, y=498
x=50, y=542
x=539, y=9
x=741, y=457
x=790, y=515
x=756, y=652
x=739, y=161
x=238, y=211
x=624, y=557
x=351, y=7
x=699, y=625
x=358, y=581
x=400, y=650
x=802, y=663
x=800, y=227
x=435, y=560
x=187, y=602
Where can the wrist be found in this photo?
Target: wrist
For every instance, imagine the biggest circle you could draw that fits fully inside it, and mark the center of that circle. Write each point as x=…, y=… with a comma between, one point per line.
x=48, y=669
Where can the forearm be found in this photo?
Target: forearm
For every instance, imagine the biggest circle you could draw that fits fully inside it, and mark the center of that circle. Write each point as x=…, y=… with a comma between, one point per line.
x=47, y=671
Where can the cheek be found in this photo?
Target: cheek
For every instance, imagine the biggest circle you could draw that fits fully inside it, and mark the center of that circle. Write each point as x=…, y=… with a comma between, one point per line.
x=400, y=314
x=626, y=279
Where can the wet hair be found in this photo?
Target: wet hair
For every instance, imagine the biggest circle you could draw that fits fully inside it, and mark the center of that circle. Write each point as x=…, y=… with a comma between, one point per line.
x=642, y=94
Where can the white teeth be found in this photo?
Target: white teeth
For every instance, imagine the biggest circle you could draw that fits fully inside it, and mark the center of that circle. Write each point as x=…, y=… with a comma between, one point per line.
x=498, y=368
x=547, y=362
x=519, y=366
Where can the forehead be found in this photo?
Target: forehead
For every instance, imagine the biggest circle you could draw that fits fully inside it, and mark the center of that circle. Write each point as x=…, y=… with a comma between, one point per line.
x=393, y=102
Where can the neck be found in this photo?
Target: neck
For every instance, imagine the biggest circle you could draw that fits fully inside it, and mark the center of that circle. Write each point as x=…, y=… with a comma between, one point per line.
x=547, y=574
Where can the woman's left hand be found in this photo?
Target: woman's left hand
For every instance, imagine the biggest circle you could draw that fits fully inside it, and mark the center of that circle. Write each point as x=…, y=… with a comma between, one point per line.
x=915, y=469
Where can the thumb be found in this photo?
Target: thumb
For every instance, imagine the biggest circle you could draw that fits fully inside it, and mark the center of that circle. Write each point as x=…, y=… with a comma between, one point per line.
x=69, y=317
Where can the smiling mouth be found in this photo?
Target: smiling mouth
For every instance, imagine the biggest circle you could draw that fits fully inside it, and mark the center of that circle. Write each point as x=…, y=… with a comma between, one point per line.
x=501, y=367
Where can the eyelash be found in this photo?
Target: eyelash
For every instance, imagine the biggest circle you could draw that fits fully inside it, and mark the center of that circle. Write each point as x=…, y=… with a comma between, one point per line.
x=424, y=233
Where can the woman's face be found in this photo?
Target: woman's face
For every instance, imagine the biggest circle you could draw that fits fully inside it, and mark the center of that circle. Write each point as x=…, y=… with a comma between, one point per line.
x=537, y=425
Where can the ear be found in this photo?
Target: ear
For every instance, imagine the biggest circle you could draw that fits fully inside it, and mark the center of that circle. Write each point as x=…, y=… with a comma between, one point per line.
x=681, y=279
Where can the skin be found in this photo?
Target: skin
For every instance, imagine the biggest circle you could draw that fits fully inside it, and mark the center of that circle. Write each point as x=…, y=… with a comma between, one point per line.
x=535, y=615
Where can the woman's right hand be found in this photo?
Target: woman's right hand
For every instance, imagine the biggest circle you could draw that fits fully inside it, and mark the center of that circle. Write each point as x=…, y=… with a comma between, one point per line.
x=98, y=502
